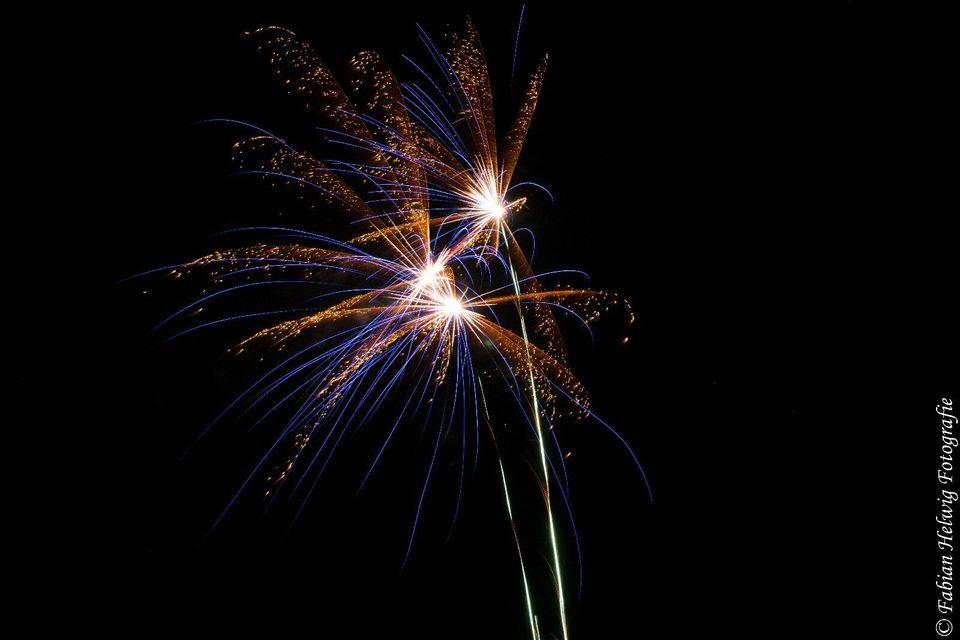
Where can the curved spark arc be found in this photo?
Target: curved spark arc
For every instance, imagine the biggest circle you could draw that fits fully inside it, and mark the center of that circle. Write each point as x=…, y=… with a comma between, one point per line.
x=416, y=284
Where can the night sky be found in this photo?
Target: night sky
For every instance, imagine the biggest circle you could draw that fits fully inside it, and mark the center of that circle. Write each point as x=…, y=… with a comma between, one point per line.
x=752, y=183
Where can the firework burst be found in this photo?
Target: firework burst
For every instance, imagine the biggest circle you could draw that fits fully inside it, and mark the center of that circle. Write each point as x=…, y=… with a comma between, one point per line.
x=420, y=295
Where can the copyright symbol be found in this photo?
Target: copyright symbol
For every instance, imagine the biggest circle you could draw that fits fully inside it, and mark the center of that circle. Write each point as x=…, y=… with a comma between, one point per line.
x=944, y=627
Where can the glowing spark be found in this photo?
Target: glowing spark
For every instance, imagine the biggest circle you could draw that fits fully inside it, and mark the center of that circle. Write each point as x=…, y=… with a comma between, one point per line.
x=429, y=276
x=451, y=307
x=489, y=204
x=496, y=210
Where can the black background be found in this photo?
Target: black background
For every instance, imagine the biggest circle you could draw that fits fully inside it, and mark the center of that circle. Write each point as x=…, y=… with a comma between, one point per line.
x=759, y=187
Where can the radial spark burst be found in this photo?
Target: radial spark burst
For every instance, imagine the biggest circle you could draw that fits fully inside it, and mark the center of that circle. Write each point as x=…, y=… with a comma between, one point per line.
x=429, y=294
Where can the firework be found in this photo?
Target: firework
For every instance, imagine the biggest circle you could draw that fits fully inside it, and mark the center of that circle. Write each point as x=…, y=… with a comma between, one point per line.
x=421, y=293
